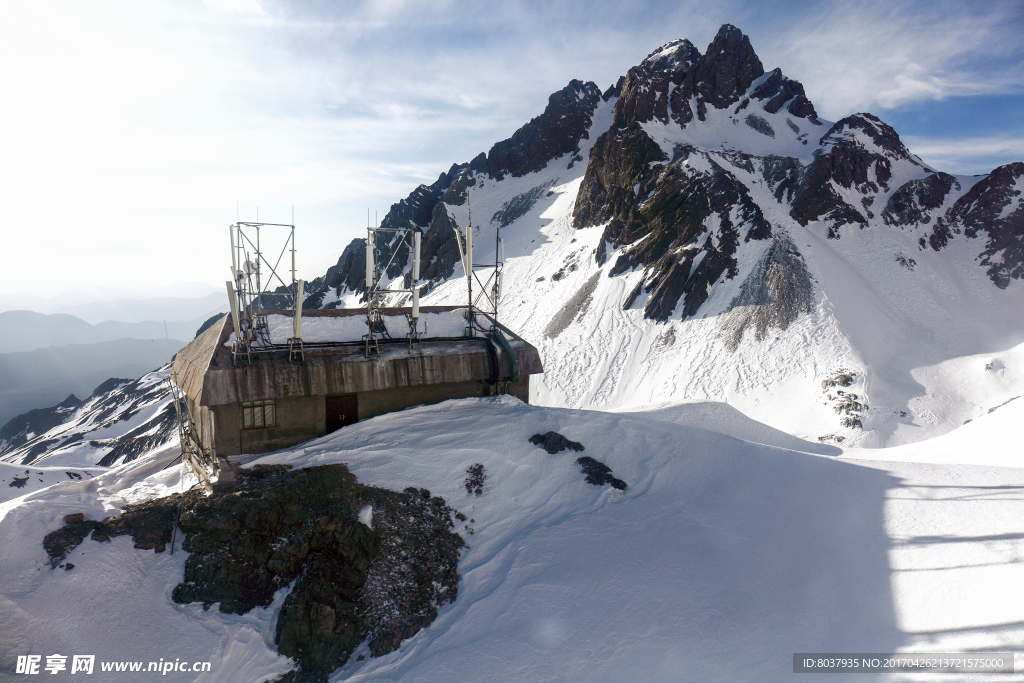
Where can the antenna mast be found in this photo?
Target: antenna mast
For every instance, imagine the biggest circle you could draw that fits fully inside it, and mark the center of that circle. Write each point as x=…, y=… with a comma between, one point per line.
x=376, y=294
x=252, y=285
x=493, y=281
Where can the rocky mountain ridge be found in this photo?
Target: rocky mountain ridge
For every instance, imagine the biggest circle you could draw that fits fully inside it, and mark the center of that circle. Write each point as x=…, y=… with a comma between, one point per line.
x=635, y=187
x=702, y=187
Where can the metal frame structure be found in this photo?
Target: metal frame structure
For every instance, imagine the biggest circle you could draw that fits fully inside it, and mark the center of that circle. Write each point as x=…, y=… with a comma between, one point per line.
x=253, y=279
x=376, y=296
x=193, y=454
x=493, y=282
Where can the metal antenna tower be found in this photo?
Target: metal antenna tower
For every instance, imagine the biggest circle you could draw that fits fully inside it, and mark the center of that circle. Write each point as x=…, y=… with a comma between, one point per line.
x=254, y=279
x=490, y=289
x=377, y=295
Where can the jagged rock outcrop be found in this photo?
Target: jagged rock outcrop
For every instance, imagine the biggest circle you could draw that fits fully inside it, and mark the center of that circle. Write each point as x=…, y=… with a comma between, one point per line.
x=776, y=292
x=300, y=531
x=684, y=251
x=857, y=154
x=680, y=210
x=629, y=186
x=915, y=201
x=647, y=88
x=993, y=209
x=556, y=132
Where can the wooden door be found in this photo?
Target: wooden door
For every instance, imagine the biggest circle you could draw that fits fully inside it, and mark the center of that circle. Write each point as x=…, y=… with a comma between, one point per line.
x=341, y=410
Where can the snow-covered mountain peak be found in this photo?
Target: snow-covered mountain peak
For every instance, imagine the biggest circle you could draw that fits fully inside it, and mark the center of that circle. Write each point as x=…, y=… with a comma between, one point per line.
x=871, y=133
x=671, y=54
x=696, y=231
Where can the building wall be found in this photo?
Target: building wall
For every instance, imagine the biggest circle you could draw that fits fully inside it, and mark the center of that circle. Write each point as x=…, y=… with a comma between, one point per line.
x=299, y=419
x=203, y=421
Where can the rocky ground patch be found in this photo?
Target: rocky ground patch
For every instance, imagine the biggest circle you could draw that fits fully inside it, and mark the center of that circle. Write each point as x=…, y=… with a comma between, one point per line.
x=361, y=564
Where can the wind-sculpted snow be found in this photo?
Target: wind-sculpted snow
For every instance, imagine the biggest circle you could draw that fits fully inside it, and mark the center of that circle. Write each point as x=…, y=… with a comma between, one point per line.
x=720, y=558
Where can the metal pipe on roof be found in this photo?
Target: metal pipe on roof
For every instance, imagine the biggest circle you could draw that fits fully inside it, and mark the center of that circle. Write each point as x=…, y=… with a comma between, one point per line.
x=297, y=322
x=416, y=237
x=234, y=309
x=369, y=262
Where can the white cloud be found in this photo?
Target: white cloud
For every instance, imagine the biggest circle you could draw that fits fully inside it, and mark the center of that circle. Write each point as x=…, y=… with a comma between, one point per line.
x=881, y=55
x=130, y=129
x=251, y=8
x=968, y=156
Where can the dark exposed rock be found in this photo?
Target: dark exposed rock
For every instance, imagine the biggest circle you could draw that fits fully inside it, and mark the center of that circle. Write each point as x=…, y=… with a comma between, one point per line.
x=782, y=174
x=62, y=541
x=143, y=438
x=475, y=480
x=18, y=429
x=842, y=378
x=439, y=241
x=113, y=401
x=847, y=162
x=816, y=199
x=618, y=161
x=725, y=71
x=779, y=90
x=614, y=90
x=880, y=133
x=18, y=482
x=906, y=262
x=994, y=209
x=556, y=132
x=518, y=206
x=912, y=202
x=663, y=85
x=681, y=255
x=110, y=385
x=646, y=87
x=598, y=474
x=209, y=323
x=760, y=125
x=277, y=529
x=553, y=442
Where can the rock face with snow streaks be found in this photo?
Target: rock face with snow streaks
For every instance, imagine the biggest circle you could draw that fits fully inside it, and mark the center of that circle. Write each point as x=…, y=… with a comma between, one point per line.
x=687, y=203
x=994, y=210
x=120, y=421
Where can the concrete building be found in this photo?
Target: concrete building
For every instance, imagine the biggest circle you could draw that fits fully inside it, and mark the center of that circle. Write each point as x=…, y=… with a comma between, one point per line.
x=273, y=401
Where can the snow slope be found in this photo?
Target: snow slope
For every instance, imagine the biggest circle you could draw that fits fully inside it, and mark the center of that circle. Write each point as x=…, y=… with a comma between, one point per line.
x=113, y=426
x=927, y=333
x=719, y=561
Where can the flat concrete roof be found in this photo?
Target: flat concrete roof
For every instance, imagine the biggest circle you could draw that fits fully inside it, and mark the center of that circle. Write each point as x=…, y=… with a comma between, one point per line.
x=205, y=371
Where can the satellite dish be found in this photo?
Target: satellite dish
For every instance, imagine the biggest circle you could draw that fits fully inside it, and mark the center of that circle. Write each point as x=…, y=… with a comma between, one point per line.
x=249, y=267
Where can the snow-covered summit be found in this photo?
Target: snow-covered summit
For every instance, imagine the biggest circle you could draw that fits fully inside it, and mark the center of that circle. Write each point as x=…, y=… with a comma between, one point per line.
x=699, y=233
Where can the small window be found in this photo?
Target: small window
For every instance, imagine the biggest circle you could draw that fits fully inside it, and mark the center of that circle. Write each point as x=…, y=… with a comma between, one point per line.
x=258, y=414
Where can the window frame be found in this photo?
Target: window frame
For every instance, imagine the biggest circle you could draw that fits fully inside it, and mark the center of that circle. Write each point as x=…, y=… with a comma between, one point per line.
x=260, y=414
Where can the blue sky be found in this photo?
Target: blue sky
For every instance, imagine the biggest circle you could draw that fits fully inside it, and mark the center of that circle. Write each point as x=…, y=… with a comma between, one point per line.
x=133, y=130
